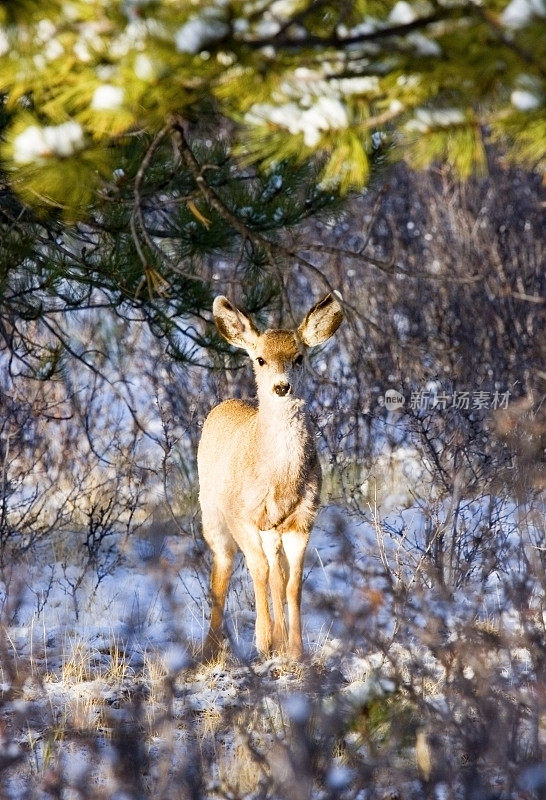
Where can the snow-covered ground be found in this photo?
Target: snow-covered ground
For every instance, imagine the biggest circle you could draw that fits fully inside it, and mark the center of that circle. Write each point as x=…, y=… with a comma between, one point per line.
x=88, y=664
x=84, y=648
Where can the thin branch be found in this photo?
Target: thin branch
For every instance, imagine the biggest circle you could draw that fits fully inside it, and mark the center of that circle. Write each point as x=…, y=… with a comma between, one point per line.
x=215, y=202
x=282, y=40
x=389, y=267
x=137, y=206
x=98, y=374
x=138, y=216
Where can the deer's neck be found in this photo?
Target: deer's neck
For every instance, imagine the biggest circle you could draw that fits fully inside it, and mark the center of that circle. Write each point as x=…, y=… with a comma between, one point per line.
x=283, y=435
x=284, y=456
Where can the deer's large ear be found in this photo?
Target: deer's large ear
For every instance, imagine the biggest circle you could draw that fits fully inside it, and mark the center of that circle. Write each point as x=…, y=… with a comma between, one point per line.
x=233, y=324
x=322, y=321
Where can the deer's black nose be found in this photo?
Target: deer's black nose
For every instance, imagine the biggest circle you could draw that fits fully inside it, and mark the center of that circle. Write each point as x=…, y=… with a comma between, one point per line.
x=281, y=389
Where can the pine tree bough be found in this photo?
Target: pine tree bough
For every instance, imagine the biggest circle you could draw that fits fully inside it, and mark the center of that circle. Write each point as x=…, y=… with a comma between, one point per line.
x=271, y=248
x=423, y=82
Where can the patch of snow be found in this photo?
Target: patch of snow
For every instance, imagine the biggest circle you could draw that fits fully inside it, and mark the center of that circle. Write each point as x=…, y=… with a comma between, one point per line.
x=107, y=98
x=524, y=100
x=402, y=13
x=408, y=81
x=326, y=114
x=53, y=49
x=283, y=8
x=423, y=45
x=226, y=59
x=10, y=751
x=396, y=107
x=359, y=694
x=368, y=26
x=519, y=13
x=198, y=32
x=425, y=120
x=4, y=42
x=85, y=44
x=144, y=68
x=441, y=791
x=339, y=777
x=365, y=84
x=240, y=25
x=297, y=707
x=77, y=766
x=105, y=72
x=266, y=27
x=269, y=52
x=135, y=35
x=307, y=85
x=44, y=31
x=54, y=140
x=176, y=658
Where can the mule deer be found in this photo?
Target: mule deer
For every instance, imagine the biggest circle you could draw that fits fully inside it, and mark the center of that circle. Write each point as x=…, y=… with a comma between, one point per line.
x=259, y=474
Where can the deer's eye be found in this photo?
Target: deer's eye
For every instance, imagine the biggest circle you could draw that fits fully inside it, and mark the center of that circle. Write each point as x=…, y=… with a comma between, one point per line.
x=298, y=361
x=260, y=361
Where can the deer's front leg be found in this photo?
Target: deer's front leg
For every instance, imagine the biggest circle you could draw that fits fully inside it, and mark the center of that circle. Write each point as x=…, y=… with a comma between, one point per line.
x=294, y=543
x=250, y=543
x=278, y=576
x=259, y=571
x=295, y=531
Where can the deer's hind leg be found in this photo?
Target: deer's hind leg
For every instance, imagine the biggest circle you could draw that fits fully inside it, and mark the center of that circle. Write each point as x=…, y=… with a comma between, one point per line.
x=223, y=548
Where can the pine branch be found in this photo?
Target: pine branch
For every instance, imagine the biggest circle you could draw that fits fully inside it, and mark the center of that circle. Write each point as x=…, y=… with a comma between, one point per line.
x=213, y=199
x=271, y=248
x=508, y=41
x=137, y=215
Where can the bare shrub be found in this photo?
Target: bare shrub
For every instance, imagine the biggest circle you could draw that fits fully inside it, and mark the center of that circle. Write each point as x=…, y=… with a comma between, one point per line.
x=428, y=680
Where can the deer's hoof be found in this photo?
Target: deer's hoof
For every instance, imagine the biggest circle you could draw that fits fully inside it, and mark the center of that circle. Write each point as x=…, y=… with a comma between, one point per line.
x=211, y=648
